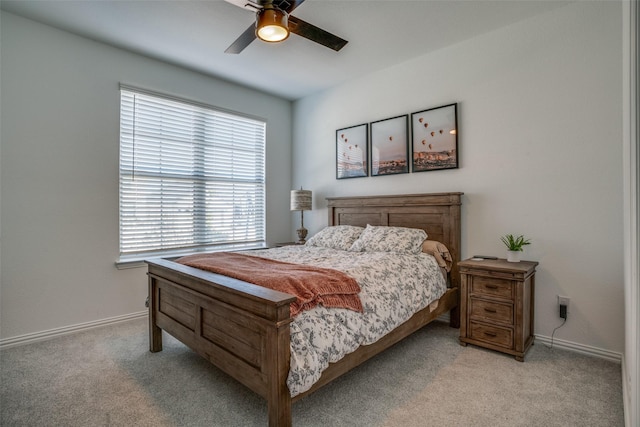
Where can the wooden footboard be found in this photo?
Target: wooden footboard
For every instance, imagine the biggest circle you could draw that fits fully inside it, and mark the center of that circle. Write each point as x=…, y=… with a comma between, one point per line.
x=241, y=328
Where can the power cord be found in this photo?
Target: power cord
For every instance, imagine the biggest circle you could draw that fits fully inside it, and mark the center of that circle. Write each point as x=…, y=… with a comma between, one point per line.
x=554, y=331
x=563, y=314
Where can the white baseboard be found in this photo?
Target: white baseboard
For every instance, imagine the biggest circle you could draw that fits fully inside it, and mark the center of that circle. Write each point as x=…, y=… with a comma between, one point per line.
x=57, y=332
x=580, y=348
x=568, y=345
x=52, y=333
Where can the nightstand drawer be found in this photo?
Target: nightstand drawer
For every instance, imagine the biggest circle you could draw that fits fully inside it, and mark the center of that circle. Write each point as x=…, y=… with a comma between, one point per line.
x=495, y=335
x=491, y=286
x=491, y=311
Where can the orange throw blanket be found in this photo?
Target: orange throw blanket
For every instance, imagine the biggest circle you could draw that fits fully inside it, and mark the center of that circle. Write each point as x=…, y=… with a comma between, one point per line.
x=311, y=285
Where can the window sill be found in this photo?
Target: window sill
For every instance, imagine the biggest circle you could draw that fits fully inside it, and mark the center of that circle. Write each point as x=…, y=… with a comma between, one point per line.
x=126, y=263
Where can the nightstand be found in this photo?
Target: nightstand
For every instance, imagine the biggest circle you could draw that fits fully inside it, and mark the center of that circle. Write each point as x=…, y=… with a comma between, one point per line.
x=496, y=305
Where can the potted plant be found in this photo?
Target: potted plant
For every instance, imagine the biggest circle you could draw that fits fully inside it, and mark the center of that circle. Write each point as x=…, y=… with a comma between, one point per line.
x=514, y=246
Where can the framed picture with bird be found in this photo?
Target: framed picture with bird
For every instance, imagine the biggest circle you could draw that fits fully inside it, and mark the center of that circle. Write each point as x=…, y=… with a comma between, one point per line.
x=351, y=152
x=434, y=138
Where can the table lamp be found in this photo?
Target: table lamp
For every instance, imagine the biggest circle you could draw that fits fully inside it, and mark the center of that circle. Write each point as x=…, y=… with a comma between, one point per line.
x=301, y=201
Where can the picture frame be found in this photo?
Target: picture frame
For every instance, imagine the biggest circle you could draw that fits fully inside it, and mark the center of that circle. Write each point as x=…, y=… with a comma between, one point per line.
x=352, y=158
x=390, y=146
x=434, y=138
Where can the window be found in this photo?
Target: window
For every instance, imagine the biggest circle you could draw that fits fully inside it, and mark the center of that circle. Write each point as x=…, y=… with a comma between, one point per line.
x=191, y=178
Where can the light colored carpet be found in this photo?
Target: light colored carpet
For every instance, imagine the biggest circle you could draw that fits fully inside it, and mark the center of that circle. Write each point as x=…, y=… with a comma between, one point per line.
x=107, y=377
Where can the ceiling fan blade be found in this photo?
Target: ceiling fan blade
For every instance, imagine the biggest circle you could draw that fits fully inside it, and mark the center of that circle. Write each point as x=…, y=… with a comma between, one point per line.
x=243, y=41
x=313, y=33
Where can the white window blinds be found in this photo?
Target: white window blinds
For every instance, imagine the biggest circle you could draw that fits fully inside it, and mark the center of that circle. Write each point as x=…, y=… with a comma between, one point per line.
x=191, y=178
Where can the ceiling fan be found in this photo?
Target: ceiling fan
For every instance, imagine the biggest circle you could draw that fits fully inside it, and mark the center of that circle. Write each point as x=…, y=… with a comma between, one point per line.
x=274, y=23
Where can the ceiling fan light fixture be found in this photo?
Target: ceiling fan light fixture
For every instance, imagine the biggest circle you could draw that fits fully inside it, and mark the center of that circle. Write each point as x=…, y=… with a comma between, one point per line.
x=272, y=25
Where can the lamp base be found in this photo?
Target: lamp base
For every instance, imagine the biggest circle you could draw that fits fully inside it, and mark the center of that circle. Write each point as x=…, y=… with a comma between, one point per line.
x=302, y=235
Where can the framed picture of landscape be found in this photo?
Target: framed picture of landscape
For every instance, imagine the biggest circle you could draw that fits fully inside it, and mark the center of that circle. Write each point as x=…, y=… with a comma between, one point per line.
x=434, y=138
x=351, y=152
x=390, y=146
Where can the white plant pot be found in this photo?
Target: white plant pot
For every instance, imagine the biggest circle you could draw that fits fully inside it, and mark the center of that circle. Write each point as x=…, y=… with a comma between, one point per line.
x=514, y=256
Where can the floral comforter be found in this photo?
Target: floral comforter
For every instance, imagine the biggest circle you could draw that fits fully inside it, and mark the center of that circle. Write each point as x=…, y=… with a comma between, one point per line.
x=393, y=287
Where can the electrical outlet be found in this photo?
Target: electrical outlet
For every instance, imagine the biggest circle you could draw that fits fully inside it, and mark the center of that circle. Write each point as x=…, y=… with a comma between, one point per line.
x=563, y=301
x=563, y=311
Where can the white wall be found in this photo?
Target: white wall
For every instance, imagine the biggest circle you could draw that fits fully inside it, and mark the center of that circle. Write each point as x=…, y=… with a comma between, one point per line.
x=540, y=146
x=60, y=142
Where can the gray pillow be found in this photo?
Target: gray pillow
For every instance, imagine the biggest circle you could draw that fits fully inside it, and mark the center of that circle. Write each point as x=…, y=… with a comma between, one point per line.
x=339, y=237
x=390, y=239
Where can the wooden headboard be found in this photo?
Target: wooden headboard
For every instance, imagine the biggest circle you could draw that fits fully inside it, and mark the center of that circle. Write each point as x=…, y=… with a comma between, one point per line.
x=438, y=214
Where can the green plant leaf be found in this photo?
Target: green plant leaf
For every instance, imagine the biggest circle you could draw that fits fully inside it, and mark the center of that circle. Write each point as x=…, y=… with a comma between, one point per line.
x=514, y=243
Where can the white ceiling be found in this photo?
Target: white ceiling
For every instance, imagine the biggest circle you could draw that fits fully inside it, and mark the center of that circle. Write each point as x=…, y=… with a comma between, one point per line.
x=194, y=34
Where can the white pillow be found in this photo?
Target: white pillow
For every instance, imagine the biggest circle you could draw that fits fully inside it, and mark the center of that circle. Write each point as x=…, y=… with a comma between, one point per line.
x=390, y=239
x=339, y=237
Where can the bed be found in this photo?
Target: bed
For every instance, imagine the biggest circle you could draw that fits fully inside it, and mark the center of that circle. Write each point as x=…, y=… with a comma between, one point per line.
x=244, y=329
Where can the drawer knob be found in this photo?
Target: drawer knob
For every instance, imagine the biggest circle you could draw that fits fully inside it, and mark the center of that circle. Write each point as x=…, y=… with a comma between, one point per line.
x=491, y=286
x=490, y=334
x=490, y=310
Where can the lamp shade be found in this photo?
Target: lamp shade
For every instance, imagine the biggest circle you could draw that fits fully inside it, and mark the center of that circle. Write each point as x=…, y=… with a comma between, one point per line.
x=272, y=24
x=300, y=200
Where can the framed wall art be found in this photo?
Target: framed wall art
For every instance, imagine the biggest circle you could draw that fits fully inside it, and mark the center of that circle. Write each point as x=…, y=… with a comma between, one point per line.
x=434, y=138
x=351, y=152
x=390, y=146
